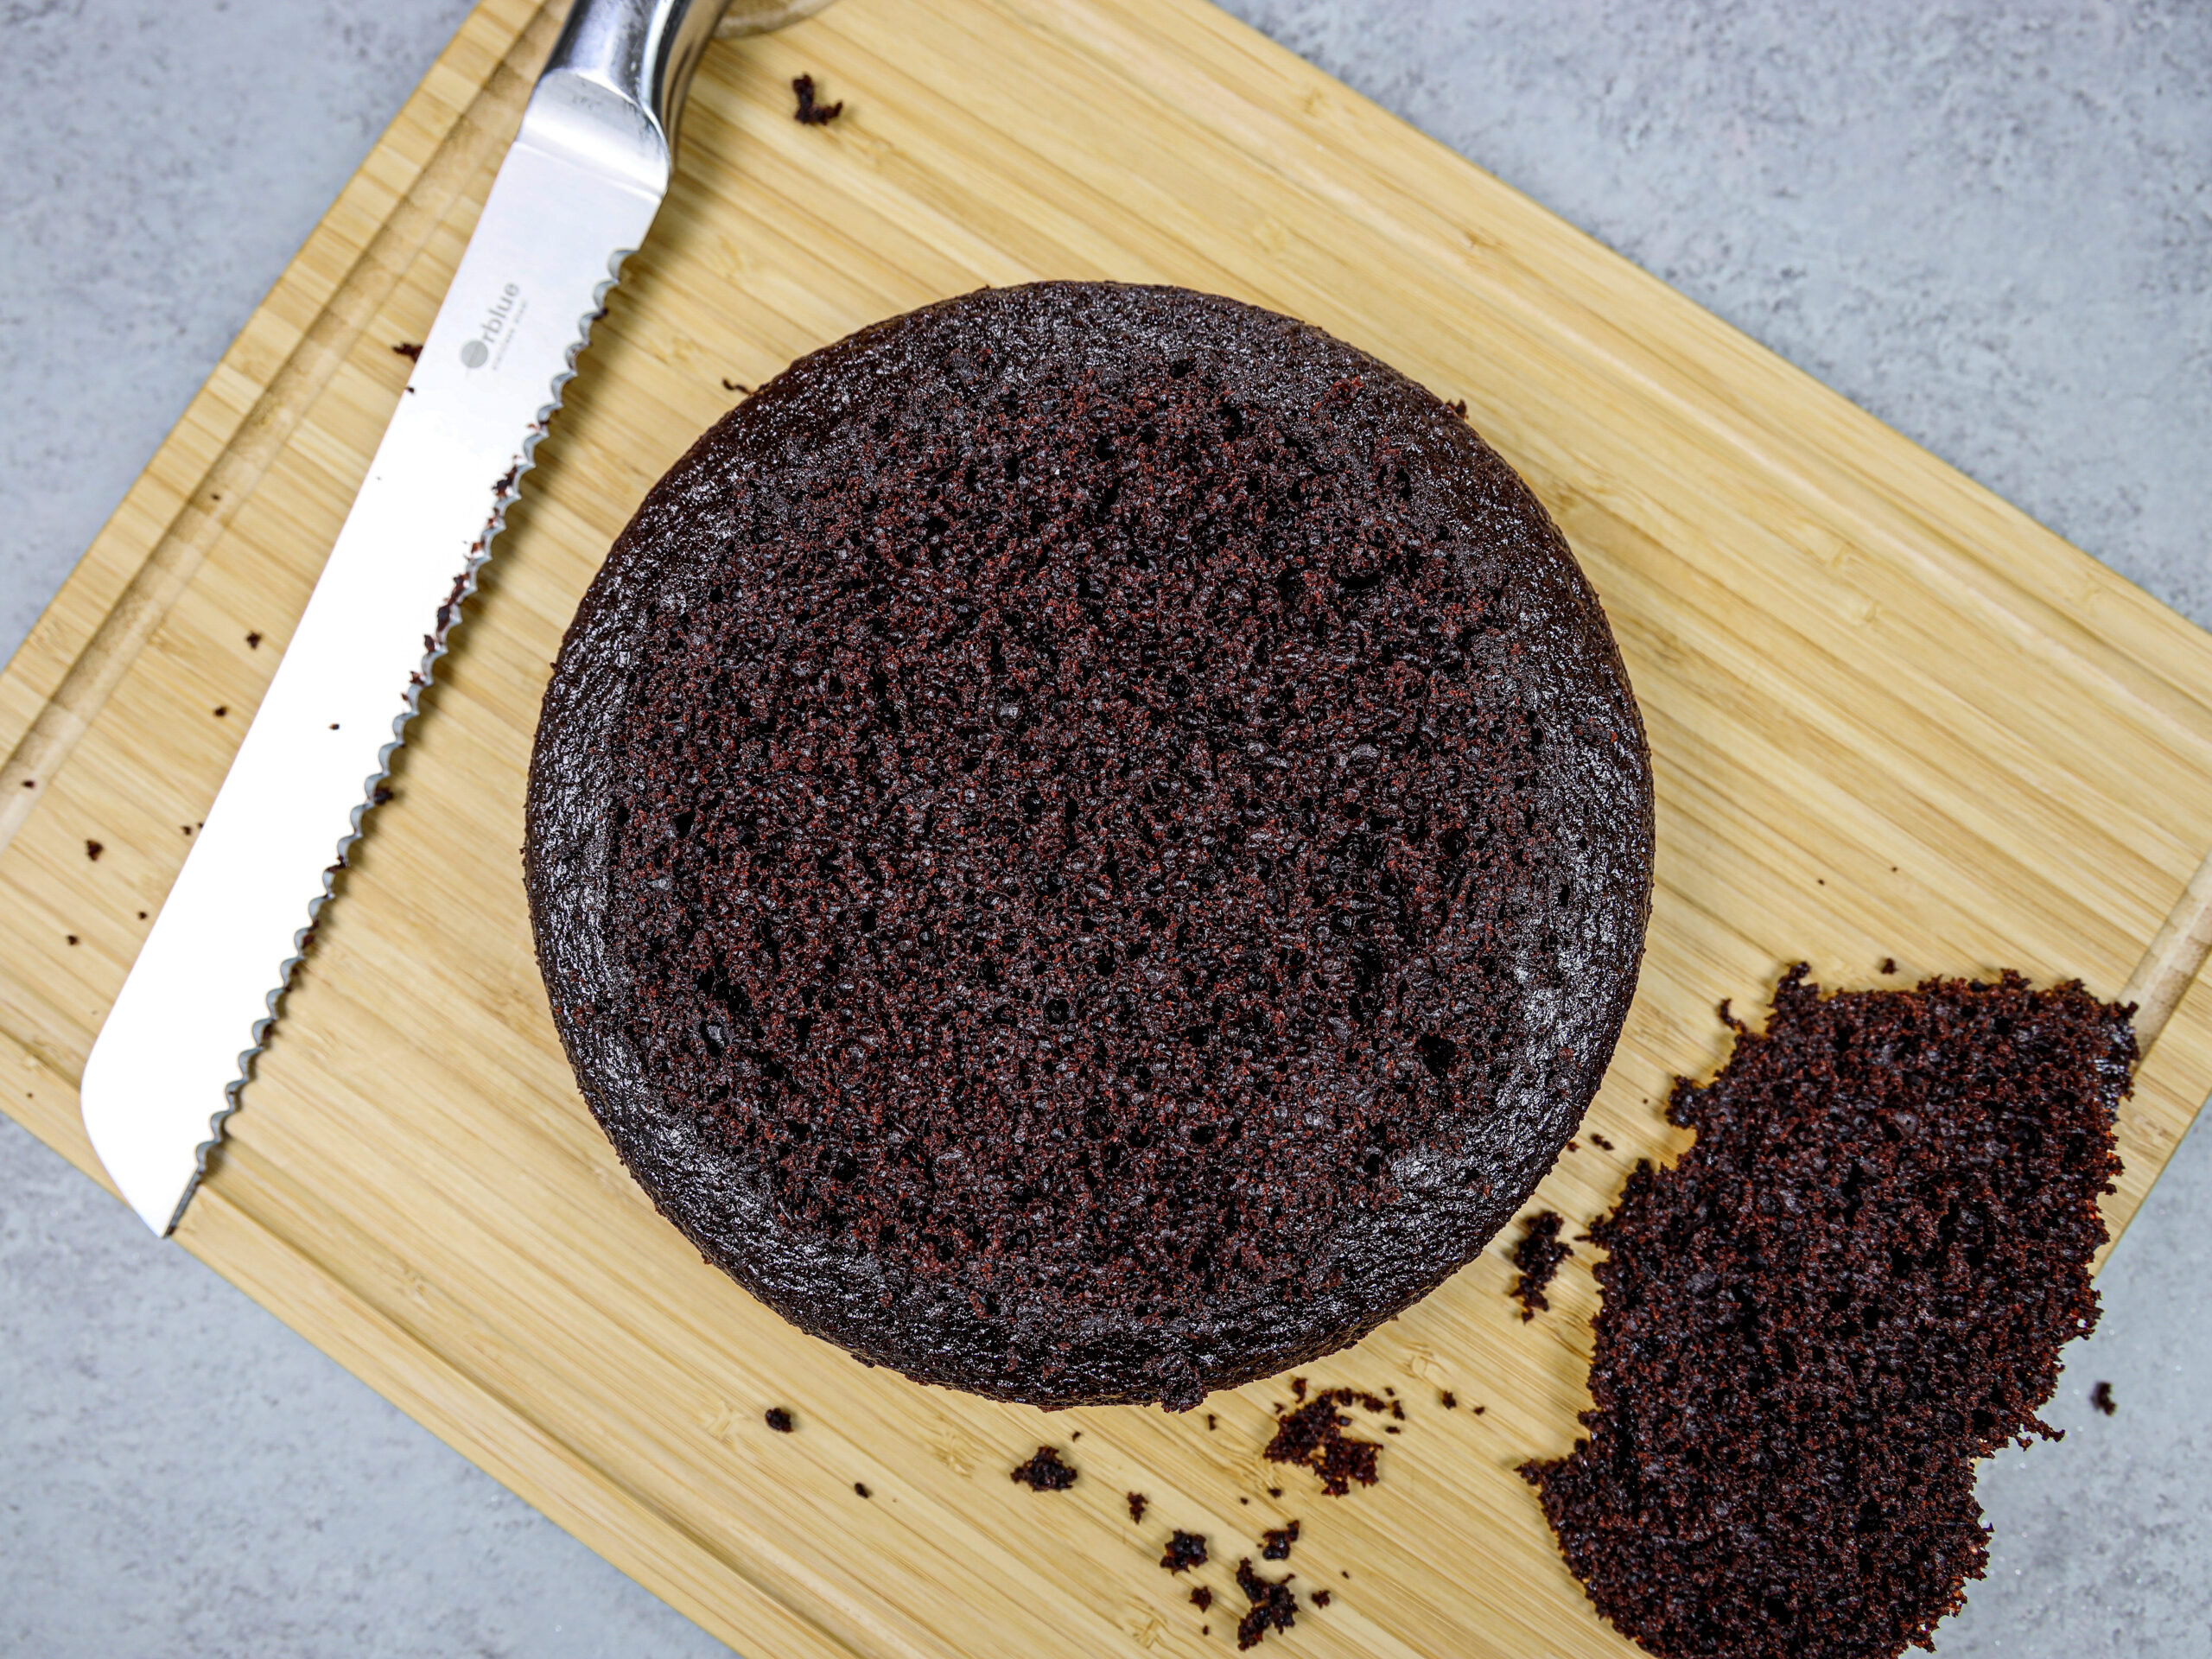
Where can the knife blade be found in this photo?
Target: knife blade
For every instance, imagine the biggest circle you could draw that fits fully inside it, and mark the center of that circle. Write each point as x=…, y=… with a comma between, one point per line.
x=574, y=195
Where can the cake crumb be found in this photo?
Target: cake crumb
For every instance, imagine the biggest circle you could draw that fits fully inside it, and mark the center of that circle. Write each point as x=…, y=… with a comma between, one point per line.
x=1274, y=1607
x=93, y=850
x=729, y=385
x=1538, y=1255
x=1202, y=1598
x=1276, y=1542
x=409, y=349
x=2100, y=1397
x=1313, y=1435
x=1045, y=1473
x=72, y=937
x=1185, y=1550
x=1210, y=1423
x=1888, y=964
x=810, y=113
x=253, y=642
x=1599, y=1142
x=860, y=1490
x=1448, y=1400
x=780, y=1420
x=1137, y=1502
x=1321, y=1598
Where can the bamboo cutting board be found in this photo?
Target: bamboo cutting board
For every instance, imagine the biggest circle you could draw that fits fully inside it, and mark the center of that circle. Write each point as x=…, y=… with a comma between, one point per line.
x=1890, y=716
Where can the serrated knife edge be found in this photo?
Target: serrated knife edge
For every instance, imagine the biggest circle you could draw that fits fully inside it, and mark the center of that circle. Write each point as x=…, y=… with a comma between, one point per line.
x=573, y=198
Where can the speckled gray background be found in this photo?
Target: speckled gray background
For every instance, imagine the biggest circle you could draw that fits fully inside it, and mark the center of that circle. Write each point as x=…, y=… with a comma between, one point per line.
x=1995, y=232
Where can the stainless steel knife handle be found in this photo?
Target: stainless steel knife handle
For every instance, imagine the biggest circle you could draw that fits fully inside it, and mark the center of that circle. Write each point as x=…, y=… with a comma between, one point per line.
x=614, y=89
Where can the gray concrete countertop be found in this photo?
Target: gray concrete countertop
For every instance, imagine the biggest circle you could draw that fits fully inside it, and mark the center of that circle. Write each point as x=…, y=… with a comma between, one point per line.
x=1993, y=231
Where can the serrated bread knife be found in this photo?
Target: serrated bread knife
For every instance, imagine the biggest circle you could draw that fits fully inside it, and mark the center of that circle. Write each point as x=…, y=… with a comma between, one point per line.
x=576, y=194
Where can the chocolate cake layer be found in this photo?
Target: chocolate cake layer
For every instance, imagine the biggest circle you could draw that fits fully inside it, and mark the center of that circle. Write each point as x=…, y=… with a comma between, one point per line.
x=1090, y=843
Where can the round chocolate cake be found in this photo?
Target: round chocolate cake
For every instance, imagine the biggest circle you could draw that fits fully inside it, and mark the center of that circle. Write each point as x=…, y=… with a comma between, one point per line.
x=1090, y=843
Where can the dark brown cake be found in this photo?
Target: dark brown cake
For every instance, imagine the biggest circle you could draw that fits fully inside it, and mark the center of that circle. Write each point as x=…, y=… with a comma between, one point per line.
x=1853, y=1286
x=1090, y=843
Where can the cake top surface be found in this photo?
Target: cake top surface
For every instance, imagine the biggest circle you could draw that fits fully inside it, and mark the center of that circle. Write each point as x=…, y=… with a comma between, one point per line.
x=1100, y=806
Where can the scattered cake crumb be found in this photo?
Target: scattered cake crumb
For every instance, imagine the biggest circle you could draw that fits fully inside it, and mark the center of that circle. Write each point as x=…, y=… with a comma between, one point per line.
x=1276, y=1542
x=729, y=385
x=810, y=114
x=1573, y=1145
x=1448, y=1400
x=1599, y=1142
x=1274, y=1607
x=780, y=1420
x=860, y=1490
x=1458, y=406
x=253, y=642
x=1210, y=1423
x=1313, y=1435
x=1185, y=1550
x=72, y=937
x=1538, y=1255
x=222, y=710
x=1045, y=1473
x=1202, y=1598
x=1853, y=1287
x=93, y=850
x=1137, y=1502
x=1888, y=964
x=409, y=349
x=1321, y=1598
x=2100, y=1397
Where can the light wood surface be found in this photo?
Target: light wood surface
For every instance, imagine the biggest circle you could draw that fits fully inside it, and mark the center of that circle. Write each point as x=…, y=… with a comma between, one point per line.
x=1890, y=717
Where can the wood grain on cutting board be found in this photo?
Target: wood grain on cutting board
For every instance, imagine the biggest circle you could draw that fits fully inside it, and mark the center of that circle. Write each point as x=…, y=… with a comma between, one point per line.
x=1890, y=717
